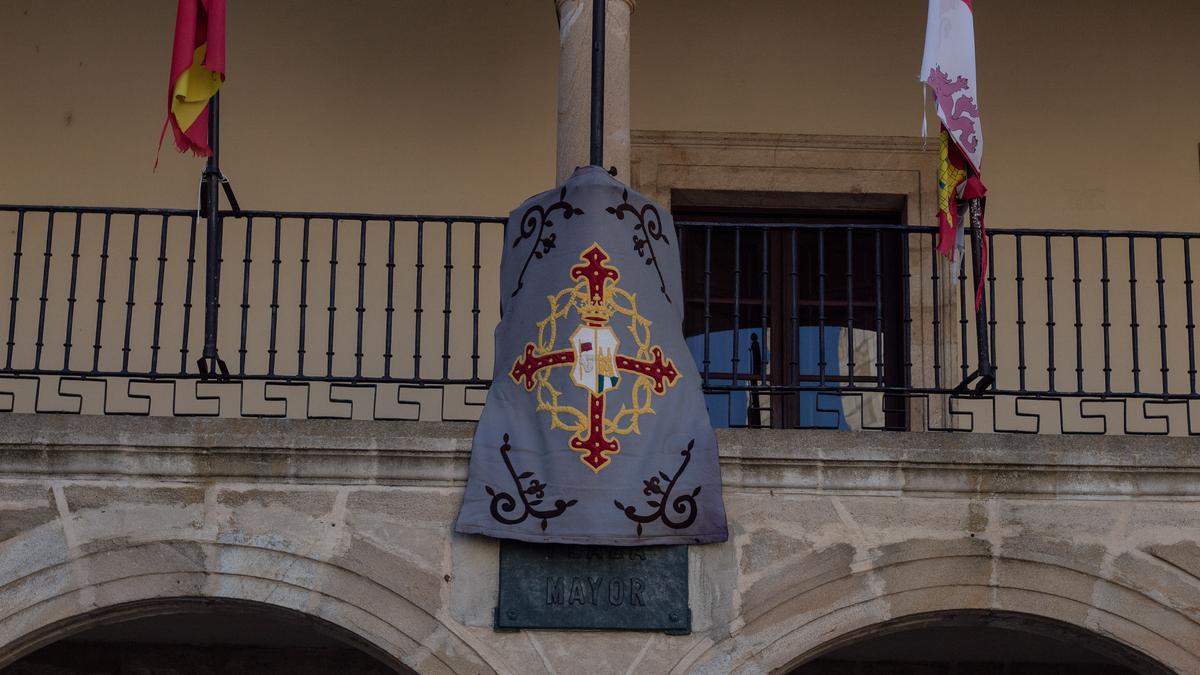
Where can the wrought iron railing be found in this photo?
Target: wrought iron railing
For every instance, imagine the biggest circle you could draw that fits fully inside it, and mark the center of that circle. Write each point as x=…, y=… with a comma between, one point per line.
x=863, y=327
x=791, y=325
x=329, y=299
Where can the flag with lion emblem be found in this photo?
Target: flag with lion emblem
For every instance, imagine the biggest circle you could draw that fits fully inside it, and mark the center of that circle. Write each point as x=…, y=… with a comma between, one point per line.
x=949, y=71
x=594, y=430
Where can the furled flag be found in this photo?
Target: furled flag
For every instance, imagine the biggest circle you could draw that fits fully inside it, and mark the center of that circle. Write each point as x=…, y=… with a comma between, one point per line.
x=197, y=71
x=594, y=430
x=949, y=70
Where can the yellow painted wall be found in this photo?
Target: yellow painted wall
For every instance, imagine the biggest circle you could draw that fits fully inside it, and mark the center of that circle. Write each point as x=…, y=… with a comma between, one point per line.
x=384, y=105
x=1091, y=109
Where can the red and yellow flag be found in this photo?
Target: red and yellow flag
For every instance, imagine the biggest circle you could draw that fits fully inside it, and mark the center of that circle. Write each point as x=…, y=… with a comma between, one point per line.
x=952, y=173
x=197, y=71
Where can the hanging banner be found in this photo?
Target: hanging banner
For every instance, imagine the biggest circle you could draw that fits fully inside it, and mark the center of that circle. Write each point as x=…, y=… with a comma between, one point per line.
x=595, y=429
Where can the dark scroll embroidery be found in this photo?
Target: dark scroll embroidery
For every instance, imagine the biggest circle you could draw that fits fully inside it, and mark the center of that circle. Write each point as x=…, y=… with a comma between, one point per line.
x=537, y=219
x=505, y=503
x=649, y=223
x=683, y=505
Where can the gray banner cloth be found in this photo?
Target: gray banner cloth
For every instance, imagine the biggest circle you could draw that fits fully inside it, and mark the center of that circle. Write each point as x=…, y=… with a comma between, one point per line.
x=594, y=430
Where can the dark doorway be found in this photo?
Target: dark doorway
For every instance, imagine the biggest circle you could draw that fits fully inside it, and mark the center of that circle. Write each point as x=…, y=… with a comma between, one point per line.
x=979, y=643
x=207, y=638
x=785, y=279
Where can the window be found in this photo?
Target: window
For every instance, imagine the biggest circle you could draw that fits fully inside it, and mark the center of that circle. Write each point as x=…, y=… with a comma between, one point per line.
x=801, y=299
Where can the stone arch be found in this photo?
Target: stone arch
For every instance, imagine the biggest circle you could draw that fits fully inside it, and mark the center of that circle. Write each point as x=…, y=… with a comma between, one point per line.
x=1146, y=613
x=66, y=596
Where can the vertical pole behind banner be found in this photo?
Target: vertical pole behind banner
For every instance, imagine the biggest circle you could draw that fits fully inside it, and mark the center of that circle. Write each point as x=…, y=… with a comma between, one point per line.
x=986, y=372
x=598, y=16
x=209, y=362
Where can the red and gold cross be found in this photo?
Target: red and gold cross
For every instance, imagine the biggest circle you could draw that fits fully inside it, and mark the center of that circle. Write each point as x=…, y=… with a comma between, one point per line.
x=595, y=313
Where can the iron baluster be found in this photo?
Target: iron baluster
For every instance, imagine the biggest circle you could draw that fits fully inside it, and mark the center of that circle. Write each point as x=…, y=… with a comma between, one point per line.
x=13, y=297
x=707, y=360
x=821, y=365
x=275, y=261
x=158, y=296
x=1191, y=323
x=100, y=299
x=332, y=308
x=361, y=309
x=449, y=267
x=964, y=356
x=475, y=267
x=303, y=305
x=66, y=363
x=185, y=331
x=878, y=312
x=1105, y=324
x=737, y=306
x=1020, y=279
x=1076, y=280
x=1049, y=314
x=1162, y=316
x=1133, y=321
x=245, y=306
x=850, y=307
x=419, y=266
x=936, y=318
x=41, y=329
x=129, y=302
x=390, y=307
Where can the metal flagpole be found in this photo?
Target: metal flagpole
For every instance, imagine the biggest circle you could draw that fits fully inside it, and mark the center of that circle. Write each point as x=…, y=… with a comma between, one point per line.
x=985, y=372
x=598, y=16
x=209, y=363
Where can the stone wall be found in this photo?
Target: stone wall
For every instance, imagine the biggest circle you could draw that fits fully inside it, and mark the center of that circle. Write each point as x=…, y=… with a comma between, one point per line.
x=831, y=534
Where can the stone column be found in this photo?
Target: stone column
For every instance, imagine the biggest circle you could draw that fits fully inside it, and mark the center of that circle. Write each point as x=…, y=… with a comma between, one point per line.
x=575, y=85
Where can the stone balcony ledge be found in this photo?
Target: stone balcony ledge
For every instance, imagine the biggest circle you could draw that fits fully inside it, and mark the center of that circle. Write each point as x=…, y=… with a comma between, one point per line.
x=435, y=454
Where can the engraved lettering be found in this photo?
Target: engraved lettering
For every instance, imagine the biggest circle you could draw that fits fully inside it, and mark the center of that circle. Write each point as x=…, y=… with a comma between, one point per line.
x=614, y=592
x=577, y=592
x=594, y=582
x=636, y=586
x=554, y=590
x=595, y=553
x=639, y=553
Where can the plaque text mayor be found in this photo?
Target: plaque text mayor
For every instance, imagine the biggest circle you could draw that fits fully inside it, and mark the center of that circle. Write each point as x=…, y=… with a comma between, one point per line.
x=596, y=587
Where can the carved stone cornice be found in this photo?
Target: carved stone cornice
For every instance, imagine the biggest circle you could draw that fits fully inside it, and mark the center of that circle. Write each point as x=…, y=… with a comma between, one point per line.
x=351, y=452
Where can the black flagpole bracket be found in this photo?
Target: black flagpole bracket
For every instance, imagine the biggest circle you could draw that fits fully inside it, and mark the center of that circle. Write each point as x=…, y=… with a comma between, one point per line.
x=984, y=376
x=210, y=364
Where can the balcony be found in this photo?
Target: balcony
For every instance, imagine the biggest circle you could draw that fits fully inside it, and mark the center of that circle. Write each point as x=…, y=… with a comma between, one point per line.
x=853, y=326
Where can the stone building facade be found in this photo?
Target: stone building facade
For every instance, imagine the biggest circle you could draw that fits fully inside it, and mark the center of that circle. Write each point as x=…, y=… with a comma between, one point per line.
x=200, y=536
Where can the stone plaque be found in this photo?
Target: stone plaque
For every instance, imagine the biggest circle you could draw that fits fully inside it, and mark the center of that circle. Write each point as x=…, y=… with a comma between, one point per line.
x=600, y=587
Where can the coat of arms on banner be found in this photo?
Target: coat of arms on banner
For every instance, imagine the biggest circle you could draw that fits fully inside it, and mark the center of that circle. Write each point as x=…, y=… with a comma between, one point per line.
x=595, y=362
x=595, y=429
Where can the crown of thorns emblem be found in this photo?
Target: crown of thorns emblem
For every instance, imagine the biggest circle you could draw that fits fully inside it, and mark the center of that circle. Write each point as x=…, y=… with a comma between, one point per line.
x=592, y=352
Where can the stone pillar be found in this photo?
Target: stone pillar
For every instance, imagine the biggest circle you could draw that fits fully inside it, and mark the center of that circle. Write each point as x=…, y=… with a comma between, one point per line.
x=575, y=85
